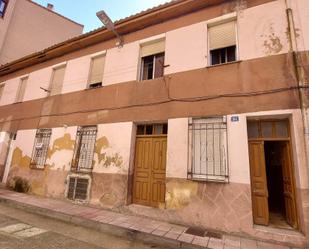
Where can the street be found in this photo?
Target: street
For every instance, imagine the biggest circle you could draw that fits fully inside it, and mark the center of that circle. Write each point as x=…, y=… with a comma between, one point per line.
x=22, y=230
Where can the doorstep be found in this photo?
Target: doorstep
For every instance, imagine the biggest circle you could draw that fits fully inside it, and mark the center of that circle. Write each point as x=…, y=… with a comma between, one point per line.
x=144, y=229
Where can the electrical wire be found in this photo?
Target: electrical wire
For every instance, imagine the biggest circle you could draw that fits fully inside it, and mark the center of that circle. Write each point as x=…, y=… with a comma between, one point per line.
x=168, y=100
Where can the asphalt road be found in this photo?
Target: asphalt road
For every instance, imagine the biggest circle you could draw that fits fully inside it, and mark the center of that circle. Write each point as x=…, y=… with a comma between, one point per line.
x=23, y=230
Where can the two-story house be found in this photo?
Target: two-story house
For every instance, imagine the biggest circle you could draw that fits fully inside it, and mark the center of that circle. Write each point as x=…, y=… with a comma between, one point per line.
x=200, y=118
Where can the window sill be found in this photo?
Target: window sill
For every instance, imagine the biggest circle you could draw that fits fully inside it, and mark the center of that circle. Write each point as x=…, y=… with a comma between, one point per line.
x=35, y=167
x=141, y=81
x=223, y=179
x=224, y=64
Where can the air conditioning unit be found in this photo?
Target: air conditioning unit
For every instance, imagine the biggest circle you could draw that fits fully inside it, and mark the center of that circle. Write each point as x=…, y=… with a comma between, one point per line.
x=39, y=146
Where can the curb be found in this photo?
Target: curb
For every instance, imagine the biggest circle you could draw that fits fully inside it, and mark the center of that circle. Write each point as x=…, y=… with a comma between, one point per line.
x=111, y=229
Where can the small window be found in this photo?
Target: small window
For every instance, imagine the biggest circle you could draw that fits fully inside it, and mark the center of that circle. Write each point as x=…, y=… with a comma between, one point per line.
x=57, y=80
x=151, y=129
x=78, y=188
x=208, y=149
x=21, y=89
x=1, y=90
x=222, y=43
x=84, y=148
x=152, y=60
x=3, y=6
x=96, y=71
x=40, y=149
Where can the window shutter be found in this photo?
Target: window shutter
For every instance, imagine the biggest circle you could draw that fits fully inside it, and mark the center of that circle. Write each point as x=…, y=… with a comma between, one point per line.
x=1, y=90
x=159, y=65
x=57, y=80
x=21, y=89
x=153, y=48
x=96, y=72
x=222, y=35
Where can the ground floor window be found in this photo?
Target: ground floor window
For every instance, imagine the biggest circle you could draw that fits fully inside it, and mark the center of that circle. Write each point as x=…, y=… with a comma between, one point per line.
x=78, y=188
x=40, y=149
x=84, y=148
x=208, y=149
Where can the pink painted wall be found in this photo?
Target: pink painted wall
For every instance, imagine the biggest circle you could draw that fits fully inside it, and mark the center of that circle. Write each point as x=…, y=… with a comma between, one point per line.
x=33, y=28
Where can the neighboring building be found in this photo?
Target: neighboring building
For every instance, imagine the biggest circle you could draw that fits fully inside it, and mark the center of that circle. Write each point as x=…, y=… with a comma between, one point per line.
x=199, y=119
x=27, y=27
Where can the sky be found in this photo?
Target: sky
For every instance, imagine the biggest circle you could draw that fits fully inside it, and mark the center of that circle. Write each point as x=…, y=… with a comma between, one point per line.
x=84, y=12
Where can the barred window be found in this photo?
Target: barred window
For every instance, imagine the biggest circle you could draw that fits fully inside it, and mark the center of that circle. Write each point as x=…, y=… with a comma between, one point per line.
x=84, y=148
x=78, y=188
x=208, y=149
x=40, y=149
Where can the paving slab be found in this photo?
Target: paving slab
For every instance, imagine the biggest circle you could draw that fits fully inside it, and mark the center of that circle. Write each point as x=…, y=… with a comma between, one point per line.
x=146, y=229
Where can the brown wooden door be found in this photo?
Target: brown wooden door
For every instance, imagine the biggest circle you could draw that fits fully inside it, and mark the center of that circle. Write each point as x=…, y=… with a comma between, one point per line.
x=289, y=186
x=149, y=171
x=258, y=183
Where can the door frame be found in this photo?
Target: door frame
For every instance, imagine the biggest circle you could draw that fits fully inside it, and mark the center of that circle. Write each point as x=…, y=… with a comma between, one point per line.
x=289, y=141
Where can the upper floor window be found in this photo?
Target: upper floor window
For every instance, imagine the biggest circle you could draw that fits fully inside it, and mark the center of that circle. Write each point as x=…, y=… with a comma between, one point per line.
x=57, y=80
x=222, y=42
x=3, y=6
x=96, y=71
x=1, y=90
x=152, y=60
x=208, y=149
x=21, y=89
x=40, y=149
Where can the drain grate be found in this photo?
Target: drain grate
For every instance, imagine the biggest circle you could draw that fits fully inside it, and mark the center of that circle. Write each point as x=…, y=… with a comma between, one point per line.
x=196, y=231
x=203, y=233
x=214, y=235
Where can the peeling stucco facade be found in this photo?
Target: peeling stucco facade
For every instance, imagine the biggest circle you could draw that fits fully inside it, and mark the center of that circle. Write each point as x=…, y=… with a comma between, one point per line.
x=265, y=62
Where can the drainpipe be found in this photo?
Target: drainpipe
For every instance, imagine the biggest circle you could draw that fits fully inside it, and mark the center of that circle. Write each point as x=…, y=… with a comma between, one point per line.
x=300, y=76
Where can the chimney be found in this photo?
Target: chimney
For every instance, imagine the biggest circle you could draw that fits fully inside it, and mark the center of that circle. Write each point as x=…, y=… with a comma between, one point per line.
x=50, y=6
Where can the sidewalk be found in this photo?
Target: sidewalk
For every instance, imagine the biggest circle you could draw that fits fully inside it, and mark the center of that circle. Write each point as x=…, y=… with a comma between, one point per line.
x=159, y=233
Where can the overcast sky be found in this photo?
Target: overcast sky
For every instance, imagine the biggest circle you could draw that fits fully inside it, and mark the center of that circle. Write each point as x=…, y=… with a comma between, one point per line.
x=84, y=12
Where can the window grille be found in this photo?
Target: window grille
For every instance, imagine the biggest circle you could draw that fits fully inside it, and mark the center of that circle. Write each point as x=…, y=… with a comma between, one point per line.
x=84, y=148
x=208, y=149
x=78, y=188
x=40, y=149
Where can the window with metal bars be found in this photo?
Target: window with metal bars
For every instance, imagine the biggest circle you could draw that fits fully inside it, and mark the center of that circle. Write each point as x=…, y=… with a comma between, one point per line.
x=84, y=148
x=40, y=149
x=78, y=188
x=208, y=149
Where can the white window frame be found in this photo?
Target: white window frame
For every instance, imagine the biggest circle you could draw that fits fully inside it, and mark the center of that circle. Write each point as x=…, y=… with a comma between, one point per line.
x=223, y=177
x=219, y=20
x=17, y=100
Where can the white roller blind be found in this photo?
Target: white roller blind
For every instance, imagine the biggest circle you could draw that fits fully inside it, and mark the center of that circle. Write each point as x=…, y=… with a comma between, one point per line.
x=222, y=35
x=21, y=89
x=57, y=80
x=152, y=48
x=96, y=71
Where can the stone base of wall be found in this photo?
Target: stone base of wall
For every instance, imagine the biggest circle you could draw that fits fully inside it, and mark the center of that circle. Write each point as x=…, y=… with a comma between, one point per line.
x=215, y=206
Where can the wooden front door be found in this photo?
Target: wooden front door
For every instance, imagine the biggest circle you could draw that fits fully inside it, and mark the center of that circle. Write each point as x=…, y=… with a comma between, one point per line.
x=149, y=170
x=258, y=183
x=288, y=186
